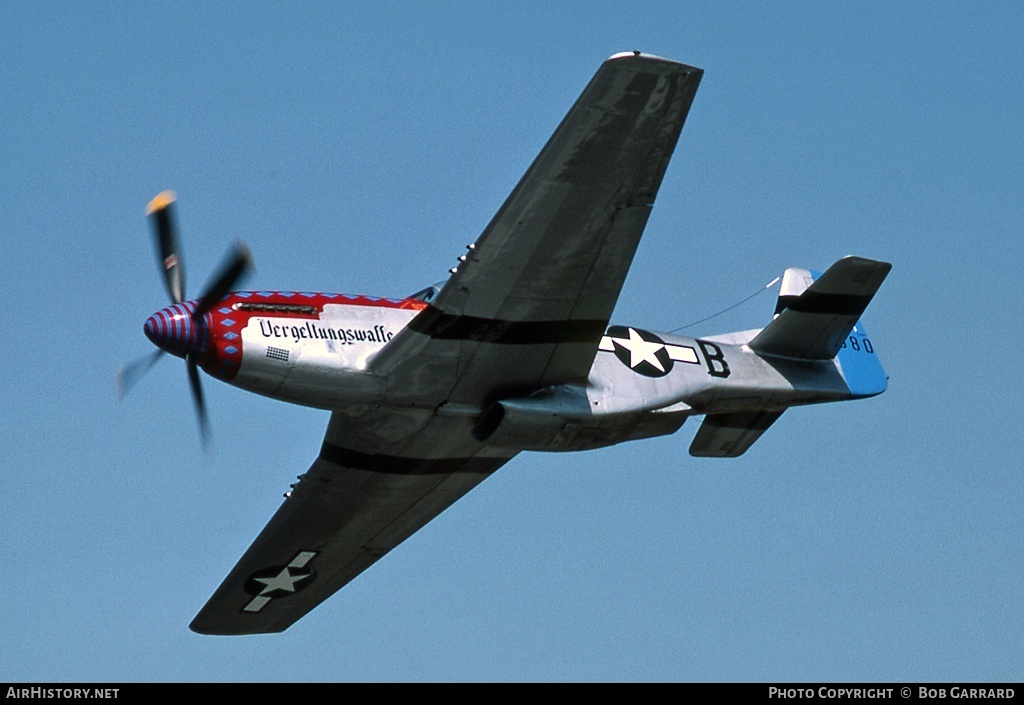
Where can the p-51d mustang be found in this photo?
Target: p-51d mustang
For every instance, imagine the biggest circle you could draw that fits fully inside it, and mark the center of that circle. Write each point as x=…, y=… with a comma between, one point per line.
x=432, y=393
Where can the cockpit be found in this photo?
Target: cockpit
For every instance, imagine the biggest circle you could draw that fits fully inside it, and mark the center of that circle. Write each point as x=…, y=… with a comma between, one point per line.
x=428, y=294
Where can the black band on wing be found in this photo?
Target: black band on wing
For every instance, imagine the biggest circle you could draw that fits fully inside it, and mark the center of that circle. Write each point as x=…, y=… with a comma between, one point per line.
x=445, y=326
x=833, y=304
x=397, y=465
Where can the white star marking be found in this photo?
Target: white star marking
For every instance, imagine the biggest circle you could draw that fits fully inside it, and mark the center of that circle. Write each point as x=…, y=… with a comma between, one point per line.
x=641, y=350
x=282, y=581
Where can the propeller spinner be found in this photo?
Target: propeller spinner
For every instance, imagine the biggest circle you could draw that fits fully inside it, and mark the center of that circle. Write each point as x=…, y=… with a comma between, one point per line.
x=182, y=329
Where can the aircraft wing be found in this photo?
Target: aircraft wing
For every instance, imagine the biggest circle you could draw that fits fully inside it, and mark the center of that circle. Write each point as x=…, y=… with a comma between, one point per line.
x=348, y=510
x=543, y=278
x=541, y=281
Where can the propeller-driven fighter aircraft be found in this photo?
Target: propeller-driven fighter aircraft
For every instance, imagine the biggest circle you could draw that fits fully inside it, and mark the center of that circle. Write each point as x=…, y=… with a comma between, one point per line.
x=431, y=393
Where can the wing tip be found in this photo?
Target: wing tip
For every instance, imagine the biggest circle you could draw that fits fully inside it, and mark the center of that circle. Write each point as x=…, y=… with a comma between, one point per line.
x=206, y=629
x=637, y=55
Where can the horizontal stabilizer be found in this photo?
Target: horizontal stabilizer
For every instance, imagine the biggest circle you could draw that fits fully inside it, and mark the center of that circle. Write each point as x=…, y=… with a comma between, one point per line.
x=811, y=323
x=730, y=435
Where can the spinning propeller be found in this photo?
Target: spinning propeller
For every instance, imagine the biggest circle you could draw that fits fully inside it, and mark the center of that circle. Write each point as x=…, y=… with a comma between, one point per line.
x=181, y=328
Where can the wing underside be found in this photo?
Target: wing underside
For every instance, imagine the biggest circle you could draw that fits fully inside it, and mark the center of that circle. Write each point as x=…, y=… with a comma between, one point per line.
x=348, y=510
x=543, y=278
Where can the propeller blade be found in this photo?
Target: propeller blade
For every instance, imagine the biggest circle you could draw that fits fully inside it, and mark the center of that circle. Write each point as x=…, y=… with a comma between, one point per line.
x=129, y=375
x=236, y=268
x=160, y=210
x=197, y=398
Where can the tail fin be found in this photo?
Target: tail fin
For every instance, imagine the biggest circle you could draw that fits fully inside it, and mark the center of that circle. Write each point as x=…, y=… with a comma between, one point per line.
x=817, y=318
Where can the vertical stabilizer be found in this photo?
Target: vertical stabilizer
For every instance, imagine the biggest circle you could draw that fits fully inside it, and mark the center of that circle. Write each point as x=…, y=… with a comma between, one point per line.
x=795, y=281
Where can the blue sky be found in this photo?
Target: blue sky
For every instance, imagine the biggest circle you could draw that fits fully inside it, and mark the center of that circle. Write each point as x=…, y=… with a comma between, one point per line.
x=357, y=147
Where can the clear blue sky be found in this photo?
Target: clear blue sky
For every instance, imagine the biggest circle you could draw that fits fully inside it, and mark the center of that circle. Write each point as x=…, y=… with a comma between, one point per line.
x=357, y=147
